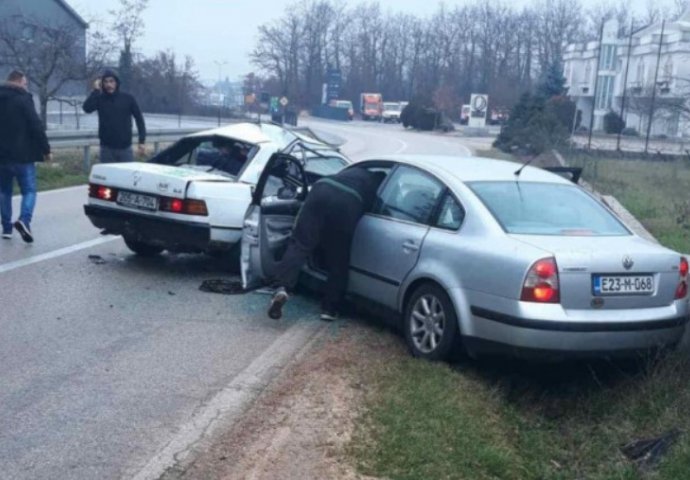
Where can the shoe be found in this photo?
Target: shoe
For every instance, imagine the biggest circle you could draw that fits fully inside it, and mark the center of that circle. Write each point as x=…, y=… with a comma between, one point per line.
x=329, y=315
x=24, y=231
x=275, y=311
x=7, y=235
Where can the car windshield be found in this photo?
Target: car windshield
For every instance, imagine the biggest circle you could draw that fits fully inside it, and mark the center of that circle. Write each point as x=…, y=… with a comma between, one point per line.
x=531, y=208
x=391, y=106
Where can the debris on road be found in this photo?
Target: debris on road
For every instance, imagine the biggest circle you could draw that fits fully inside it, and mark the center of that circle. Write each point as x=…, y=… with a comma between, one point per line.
x=97, y=259
x=647, y=453
x=225, y=287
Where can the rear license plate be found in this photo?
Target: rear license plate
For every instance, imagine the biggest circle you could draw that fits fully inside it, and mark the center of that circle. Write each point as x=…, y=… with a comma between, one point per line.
x=623, y=284
x=137, y=200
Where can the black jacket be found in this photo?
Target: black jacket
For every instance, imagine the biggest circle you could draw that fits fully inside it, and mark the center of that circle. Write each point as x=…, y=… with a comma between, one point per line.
x=22, y=135
x=115, y=112
x=360, y=180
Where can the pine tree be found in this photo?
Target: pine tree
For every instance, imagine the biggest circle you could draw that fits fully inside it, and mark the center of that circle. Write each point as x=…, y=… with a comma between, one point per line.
x=552, y=83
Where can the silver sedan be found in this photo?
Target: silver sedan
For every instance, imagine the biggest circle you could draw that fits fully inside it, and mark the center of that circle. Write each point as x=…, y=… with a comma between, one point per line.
x=478, y=254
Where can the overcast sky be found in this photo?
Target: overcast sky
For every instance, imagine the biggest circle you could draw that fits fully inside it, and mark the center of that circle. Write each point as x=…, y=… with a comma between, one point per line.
x=225, y=30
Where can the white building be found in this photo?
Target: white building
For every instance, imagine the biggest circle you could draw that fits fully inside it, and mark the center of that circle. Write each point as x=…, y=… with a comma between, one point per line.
x=672, y=85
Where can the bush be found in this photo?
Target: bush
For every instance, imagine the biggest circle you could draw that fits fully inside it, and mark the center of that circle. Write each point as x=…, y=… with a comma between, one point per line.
x=613, y=123
x=564, y=109
x=630, y=132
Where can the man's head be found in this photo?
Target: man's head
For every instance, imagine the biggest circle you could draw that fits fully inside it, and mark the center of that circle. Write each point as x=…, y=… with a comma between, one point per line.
x=109, y=82
x=18, y=79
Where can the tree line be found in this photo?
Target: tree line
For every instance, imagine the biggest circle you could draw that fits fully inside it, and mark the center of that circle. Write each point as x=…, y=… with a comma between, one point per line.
x=489, y=47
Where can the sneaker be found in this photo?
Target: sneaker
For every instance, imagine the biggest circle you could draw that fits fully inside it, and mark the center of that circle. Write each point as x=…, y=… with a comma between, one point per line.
x=329, y=315
x=24, y=231
x=7, y=235
x=275, y=311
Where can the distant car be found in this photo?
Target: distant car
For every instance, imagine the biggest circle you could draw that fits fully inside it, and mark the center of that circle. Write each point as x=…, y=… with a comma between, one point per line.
x=391, y=112
x=192, y=196
x=468, y=251
x=344, y=104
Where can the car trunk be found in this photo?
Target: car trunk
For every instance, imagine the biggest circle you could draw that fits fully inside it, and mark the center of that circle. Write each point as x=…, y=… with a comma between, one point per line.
x=612, y=272
x=151, y=178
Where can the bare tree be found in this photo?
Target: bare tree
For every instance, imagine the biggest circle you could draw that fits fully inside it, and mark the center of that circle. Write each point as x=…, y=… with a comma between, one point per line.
x=128, y=26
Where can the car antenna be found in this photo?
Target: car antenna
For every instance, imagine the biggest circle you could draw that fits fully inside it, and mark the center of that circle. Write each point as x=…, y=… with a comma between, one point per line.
x=519, y=170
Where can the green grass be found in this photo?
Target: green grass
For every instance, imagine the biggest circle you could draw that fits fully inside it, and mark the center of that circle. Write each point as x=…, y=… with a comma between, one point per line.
x=65, y=170
x=656, y=193
x=511, y=420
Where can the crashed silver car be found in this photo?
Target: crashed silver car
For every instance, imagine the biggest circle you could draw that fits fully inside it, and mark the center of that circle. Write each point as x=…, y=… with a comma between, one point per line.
x=479, y=253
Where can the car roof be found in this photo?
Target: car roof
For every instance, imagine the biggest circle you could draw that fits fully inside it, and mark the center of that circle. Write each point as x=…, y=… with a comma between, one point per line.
x=474, y=169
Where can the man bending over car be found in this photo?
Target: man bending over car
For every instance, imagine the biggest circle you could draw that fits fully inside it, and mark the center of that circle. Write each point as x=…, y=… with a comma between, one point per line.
x=328, y=219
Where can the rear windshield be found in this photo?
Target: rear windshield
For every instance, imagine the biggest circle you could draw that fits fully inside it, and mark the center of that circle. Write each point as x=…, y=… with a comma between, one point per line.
x=530, y=208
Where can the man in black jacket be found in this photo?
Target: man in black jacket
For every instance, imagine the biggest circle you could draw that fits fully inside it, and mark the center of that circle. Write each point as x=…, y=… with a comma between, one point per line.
x=23, y=142
x=115, y=112
x=328, y=219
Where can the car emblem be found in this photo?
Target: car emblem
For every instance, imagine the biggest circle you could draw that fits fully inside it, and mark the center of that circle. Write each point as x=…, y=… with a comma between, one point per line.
x=136, y=178
x=628, y=262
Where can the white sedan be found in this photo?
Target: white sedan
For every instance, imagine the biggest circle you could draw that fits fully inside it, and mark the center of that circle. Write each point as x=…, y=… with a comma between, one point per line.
x=192, y=196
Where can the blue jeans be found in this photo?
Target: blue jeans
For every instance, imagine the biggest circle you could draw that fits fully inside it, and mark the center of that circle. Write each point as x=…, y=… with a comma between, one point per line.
x=25, y=173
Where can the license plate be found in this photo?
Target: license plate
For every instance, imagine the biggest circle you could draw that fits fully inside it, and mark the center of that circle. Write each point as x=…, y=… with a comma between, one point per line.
x=137, y=200
x=623, y=284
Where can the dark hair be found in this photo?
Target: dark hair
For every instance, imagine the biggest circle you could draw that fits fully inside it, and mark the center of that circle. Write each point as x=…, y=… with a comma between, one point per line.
x=15, y=76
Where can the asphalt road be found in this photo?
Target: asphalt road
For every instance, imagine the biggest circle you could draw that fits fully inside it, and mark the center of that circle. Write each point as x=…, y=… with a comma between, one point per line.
x=113, y=366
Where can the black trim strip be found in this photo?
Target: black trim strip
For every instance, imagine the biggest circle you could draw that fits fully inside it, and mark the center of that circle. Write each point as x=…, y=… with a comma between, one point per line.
x=375, y=276
x=560, y=326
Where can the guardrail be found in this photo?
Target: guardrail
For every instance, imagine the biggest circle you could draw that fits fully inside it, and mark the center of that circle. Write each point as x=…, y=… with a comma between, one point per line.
x=88, y=139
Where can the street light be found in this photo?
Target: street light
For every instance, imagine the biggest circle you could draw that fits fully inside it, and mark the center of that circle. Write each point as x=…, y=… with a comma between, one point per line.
x=220, y=65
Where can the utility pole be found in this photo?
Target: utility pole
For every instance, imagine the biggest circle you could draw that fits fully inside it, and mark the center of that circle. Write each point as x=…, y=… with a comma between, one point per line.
x=220, y=64
x=656, y=77
x=596, y=84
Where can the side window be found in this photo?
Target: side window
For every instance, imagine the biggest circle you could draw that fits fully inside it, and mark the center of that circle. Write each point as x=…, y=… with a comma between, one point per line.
x=409, y=195
x=451, y=215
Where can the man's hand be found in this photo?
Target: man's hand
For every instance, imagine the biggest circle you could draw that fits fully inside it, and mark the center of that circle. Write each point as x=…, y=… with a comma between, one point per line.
x=97, y=84
x=48, y=157
x=141, y=149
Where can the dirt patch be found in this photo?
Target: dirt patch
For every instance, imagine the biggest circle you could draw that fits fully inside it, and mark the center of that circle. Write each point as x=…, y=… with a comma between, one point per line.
x=300, y=427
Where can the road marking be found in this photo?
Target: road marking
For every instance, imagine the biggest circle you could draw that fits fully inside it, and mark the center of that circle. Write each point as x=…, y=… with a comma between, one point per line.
x=231, y=402
x=4, y=268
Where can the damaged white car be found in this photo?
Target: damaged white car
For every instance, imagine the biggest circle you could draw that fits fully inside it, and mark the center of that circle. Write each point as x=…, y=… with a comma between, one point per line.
x=192, y=196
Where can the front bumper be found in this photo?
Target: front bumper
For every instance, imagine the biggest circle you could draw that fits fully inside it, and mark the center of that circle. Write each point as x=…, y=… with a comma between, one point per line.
x=174, y=235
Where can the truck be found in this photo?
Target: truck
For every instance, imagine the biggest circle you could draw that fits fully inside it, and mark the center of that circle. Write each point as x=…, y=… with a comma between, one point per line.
x=370, y=106
x=391, y=112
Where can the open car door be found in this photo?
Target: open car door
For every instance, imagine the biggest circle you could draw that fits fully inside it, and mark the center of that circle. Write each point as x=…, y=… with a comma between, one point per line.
x=268, y=222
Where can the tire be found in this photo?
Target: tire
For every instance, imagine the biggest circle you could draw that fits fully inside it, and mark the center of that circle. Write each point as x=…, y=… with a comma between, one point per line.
x=141, y=248
x=429, y=307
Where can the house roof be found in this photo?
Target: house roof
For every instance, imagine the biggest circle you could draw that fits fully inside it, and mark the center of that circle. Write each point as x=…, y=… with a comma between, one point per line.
x=73, y=13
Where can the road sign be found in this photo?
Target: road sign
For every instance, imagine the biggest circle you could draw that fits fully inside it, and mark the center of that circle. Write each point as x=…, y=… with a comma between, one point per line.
x=284, y=101
x=249, y=99
x=479, y=105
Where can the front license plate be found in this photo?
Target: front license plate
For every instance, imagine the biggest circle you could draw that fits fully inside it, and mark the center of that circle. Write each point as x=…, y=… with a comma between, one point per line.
x=137, y=200
x=623, y=284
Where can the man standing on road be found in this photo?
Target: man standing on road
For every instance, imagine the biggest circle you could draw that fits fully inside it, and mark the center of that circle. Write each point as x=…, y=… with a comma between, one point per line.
x=327, y=219
x=23, y=142
x=115, y=112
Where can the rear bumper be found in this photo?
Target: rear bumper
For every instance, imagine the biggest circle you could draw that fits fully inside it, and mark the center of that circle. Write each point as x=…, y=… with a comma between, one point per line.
x=496, y=331
x=171, y=234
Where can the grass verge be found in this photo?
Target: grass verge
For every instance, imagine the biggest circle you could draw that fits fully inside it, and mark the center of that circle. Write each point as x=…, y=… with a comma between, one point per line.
x=66, y=170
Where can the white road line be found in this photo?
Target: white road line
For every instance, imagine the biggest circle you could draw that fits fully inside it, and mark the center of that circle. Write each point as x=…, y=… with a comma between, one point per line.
x=231, y=402
x=6, y=267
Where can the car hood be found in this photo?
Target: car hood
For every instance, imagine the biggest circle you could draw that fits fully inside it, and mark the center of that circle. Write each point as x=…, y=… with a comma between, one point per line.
x=152, y=178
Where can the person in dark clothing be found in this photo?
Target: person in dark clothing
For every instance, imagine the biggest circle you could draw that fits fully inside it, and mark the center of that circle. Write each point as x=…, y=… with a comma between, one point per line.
x=23, y=142
x=328, y=219
x=115, y=111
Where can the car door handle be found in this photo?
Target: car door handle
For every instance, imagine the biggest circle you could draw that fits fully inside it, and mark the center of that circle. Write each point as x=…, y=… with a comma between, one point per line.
x=410, y=245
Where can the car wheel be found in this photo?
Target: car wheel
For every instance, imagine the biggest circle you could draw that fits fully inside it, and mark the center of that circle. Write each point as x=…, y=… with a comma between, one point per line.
x=431, y=324
x=141, y=248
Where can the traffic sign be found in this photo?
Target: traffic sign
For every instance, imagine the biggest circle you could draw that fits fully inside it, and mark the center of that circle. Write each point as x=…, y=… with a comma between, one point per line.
x=284, y=101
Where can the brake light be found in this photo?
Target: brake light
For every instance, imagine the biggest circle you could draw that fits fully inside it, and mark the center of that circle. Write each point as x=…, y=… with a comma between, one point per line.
x=541, y=283
x=102, y=192
x=682, y=288
x=186, y=207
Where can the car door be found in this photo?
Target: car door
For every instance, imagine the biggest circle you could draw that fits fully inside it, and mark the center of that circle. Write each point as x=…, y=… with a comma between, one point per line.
x=388, y=240
x=268, y=222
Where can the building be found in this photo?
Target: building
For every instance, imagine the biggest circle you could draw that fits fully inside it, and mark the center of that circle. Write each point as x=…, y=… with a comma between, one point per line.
x=55, y=13
x=596, y=77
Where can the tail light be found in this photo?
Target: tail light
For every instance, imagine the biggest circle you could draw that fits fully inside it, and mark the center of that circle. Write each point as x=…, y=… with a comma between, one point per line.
x=541, y=282
x=682, y=289
x=102, y=192
x=186, y=207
